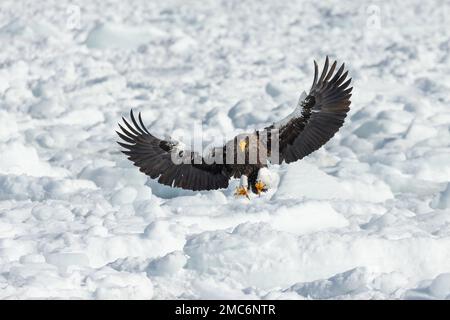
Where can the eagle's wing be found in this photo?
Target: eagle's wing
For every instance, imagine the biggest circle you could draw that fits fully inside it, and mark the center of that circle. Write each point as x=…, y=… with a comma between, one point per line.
x=154, y=157
x=317, y=117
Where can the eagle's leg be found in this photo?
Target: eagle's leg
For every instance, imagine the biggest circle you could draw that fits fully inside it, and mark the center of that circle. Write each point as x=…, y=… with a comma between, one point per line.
x=257, y=185
x=242, y=190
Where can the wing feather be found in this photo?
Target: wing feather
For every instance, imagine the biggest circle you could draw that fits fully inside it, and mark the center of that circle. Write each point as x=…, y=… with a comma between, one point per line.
x=321, y=114
x=153, y=157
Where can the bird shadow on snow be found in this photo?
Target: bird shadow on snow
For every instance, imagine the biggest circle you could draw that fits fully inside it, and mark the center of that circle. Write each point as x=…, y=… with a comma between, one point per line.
x=166, y=192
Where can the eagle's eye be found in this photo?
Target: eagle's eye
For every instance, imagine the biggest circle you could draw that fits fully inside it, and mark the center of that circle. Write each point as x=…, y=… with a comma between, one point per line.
x=242, y=145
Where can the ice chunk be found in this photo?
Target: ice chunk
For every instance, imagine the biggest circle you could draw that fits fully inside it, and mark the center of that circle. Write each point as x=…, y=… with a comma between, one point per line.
x=302, y=179
x=442, y=200
x=167, y=265
x=110, y=35
x=23, y=159
x=350, y=282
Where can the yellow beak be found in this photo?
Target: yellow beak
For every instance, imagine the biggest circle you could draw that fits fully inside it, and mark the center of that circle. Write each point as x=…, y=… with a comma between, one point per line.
x=242, y=145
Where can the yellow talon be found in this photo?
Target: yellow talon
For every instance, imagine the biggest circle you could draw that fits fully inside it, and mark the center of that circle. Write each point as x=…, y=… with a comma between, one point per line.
x=242, y=191
x=260, y=187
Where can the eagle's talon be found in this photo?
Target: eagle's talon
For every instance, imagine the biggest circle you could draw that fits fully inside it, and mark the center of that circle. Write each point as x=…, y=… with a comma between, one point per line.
x=260, y=187
x=241, y=191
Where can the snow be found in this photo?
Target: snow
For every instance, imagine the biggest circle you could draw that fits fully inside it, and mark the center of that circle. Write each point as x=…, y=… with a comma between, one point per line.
x=442, y=200
x=437, y=288
x=365, y=217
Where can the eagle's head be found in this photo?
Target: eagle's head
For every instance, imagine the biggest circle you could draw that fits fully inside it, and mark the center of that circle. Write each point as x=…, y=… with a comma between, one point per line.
x=242, y=145
x=244, y=142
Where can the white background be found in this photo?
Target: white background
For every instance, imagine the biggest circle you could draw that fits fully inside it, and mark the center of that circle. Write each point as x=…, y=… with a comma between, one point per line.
x=367, y=216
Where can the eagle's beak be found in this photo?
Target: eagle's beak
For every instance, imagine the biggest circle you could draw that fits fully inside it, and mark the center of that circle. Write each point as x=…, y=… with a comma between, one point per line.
x=242, y=145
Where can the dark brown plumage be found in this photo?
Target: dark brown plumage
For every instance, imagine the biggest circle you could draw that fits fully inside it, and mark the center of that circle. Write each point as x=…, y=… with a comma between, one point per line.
x=315, y=121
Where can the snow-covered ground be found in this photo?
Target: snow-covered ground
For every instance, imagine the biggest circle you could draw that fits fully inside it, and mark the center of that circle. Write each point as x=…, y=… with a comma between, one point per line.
x=367, y=216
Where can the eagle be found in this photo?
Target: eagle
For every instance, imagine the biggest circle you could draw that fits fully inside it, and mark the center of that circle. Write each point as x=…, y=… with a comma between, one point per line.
x=315, y=120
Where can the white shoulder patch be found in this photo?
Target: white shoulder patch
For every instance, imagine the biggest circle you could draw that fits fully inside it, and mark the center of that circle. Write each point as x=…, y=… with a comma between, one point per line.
x=295, y=114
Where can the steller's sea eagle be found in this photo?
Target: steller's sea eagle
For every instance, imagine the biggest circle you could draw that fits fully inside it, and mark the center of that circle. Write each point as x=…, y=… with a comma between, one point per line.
x=315, y=120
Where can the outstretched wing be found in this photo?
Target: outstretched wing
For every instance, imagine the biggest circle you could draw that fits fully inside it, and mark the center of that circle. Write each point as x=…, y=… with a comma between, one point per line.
x=317, y=117
x=154, y=157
